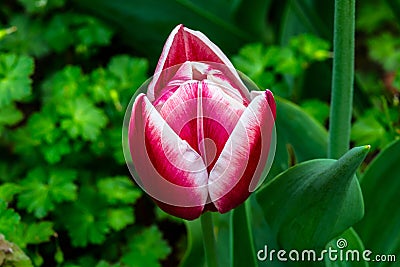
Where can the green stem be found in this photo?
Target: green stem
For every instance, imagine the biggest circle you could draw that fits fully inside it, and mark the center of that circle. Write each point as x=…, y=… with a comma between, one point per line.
x=342, y=79
x=243, y=250
x=209, y=239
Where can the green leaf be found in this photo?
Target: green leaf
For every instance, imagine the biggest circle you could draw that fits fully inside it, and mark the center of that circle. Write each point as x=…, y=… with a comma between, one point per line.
x=351, y=242
x=385, y=49
x=8, y=190
x=101, y=85
x=131, y=72
x=15, y=83
x=42, y=134
x=9, y=221
x=119, y=189
x=42, y=127
x=10, y=115
x=380, y=183
x=83, y=31
x=62, y=186
x=311, y=47
x=65, y=84
x=34, y=198
x=43, y=189
x=262, y=232
x=318, y=110
x=54, y=152
x=315, y=17
x=87, y=220
x=36, y=233
x=253, y=59
x=28, y=39
x=82, y=118
x=119, y=218
x=108, y=144
x=368, y=130
x=371, y=16
x=243, y=247
x=300, y=137
x=314, y=201
x=146, y=249
x=58, y=33
x=93, y=31
x=194, y=254
x=288, y=62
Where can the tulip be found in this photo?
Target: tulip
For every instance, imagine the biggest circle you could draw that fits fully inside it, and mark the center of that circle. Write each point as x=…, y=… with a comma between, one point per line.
x=199, y=140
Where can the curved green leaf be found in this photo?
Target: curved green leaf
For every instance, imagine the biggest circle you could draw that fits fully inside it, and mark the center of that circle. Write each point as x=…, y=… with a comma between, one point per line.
x=312, y=202
x=380, y=227
x=300, y=137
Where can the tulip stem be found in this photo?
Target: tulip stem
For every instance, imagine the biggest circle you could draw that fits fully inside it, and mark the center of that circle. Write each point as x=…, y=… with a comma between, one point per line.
x=342, y=78
x=209, y=239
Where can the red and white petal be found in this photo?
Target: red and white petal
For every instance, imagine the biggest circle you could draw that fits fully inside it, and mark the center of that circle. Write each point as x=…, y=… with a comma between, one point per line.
x=172, y=79
x=270, y=99
x=204, y=115
x=220, y=115
x=180, y=111
x=243, y=159
x=224, y=76
x=167, y=168
x=184, y=45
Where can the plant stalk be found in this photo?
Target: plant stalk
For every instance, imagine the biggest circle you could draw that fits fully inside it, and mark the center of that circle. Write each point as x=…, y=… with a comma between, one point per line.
x=209, y=240
x=342, y=79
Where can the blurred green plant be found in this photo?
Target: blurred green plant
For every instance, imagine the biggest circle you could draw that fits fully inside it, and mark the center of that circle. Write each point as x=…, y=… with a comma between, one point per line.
x=379, y=124
x=276, y=66
x=63, y=183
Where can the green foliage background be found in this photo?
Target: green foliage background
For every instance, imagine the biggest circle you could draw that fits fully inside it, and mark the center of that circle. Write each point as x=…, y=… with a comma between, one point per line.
x=69, y=68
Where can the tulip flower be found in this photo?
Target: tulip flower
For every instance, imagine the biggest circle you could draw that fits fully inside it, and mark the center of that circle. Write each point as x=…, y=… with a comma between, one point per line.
x=199, y=140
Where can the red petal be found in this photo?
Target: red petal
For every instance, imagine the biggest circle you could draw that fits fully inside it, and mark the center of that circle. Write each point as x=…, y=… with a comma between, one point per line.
x=204, y=115
x=185, y=45
x=244, y=157
x=167, y=168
